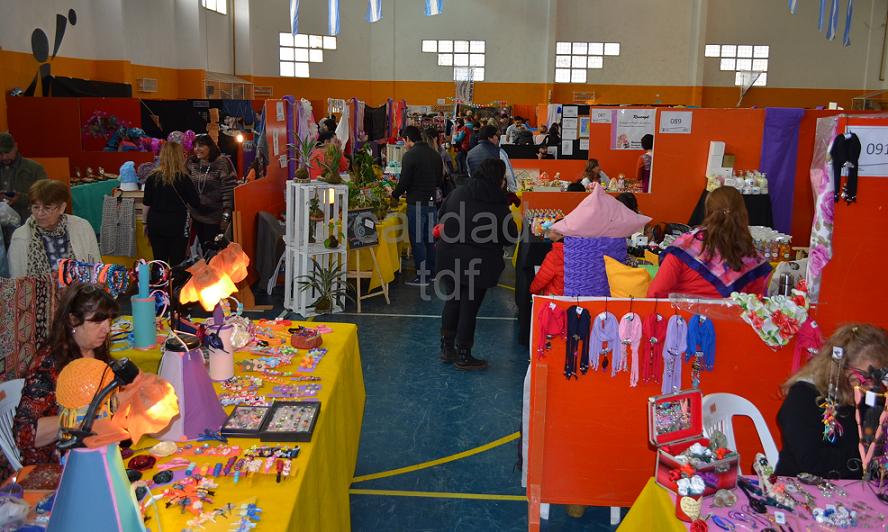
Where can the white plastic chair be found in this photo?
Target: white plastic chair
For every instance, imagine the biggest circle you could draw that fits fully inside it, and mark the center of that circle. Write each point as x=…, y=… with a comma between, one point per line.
x=12, y=391
x=719, y=410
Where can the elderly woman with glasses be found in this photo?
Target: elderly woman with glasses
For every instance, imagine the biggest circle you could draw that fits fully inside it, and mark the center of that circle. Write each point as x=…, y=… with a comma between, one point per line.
x=49, y=234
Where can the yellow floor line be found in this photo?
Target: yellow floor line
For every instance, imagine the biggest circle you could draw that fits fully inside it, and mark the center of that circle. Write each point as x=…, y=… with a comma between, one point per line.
x=431, y=463
x=441, y=495
x=507, y=287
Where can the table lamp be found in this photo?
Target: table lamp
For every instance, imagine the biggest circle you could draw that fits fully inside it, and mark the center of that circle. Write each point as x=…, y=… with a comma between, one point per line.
x=94, y=492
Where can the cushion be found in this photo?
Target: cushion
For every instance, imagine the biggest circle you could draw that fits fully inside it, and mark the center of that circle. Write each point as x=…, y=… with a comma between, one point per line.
x=626, y=281
x=584, y=273
x=600, y=214
x=651, y=257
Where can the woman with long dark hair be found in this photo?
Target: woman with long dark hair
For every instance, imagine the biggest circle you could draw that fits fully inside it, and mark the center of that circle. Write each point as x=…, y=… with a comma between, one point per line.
x=214, y=178
x=477, y=224
x=80, y=328
x=715, y=259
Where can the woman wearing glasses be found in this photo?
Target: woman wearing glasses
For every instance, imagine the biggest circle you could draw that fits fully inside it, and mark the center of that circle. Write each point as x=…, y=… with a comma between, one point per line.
x=49, y=234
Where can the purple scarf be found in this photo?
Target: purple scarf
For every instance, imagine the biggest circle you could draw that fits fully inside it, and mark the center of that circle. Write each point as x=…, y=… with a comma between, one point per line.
x=688, y=248
x=604, y=329
x=675, y=345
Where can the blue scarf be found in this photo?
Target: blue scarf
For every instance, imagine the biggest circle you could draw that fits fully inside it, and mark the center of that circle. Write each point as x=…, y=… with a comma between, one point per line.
x=701, y=339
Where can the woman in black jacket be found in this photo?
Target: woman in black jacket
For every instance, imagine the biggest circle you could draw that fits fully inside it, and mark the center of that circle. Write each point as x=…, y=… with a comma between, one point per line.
x=476, y=224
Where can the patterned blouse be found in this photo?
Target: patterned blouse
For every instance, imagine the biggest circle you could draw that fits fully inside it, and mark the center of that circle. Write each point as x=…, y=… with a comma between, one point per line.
x=38, y=400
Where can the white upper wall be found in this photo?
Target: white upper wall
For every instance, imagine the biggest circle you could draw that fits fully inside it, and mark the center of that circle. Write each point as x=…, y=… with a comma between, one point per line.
x=661, y=40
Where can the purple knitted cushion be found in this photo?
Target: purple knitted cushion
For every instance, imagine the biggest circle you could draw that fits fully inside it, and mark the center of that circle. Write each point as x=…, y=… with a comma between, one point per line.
x=584, y=273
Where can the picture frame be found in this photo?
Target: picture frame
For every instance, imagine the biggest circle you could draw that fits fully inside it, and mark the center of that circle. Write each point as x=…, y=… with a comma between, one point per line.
x=245, y=421
x=290, y=421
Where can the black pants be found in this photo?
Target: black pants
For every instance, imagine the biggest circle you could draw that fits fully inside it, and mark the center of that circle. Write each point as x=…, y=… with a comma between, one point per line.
x=170, y=249
x=461, y=313
x=205, y=232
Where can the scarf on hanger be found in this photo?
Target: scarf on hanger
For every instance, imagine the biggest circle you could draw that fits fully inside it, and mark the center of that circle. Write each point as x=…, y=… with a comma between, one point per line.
x=654, y=330
x=605, y=338
x=674, y=346
x=809, y=340
x=38, y=260
x=701, y=339
x=578, y=323
x=551, y=319
x=630, y=338
x=688, y=248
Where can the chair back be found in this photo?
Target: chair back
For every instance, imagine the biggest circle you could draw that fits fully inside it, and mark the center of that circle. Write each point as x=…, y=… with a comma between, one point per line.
x=719, y=409
x=11, y=392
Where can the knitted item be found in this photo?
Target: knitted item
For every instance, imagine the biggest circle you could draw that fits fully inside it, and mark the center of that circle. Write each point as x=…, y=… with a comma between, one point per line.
x=605, y=339
x=809, y=340
x=654, y=332
x=118, y=233
x=675, y=345
x=578, y=322
x=630, y=338
x=584, y=272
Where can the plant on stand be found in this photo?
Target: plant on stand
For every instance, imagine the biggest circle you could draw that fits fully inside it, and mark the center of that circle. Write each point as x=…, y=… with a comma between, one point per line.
x=330, y=165
x=303, y=147
x=325, y=284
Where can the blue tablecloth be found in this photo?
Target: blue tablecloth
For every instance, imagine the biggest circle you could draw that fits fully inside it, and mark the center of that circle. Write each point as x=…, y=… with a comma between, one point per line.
x=87, y=200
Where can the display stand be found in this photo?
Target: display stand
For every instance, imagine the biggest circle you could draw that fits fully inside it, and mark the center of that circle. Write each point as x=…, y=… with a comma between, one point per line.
x=305, y=251
x=357, y=274
x=588, y=437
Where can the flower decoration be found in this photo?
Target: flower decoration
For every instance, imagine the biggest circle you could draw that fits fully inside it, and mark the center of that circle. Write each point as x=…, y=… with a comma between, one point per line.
x=775, y=319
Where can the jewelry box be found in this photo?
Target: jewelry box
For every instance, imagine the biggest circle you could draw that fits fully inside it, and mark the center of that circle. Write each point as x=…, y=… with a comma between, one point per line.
x=290, y=421
x=245, y=421
x=675, y=423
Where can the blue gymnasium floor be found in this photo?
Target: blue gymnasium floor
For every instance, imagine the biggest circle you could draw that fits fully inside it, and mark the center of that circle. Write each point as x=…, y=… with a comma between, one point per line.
x=418, y=409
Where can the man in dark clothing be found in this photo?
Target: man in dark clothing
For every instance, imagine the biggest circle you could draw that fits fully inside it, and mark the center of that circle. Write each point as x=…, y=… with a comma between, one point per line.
x=422, y=173
x=487, y=148
x=17, y=174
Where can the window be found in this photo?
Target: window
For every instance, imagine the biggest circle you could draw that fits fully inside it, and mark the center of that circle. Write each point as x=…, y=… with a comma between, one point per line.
x=467, y=58
x=573, y=59
x=219, y=6
x=748, y=62
x=297, y=51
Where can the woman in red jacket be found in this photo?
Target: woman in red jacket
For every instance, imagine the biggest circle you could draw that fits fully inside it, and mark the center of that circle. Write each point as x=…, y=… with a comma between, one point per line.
x=549, y=281
x=715, y=259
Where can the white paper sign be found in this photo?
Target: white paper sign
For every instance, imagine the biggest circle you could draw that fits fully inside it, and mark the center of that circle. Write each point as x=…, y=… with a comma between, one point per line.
x=631, y=126
x=279, y=111
x=283, y=161
x=569, y=134
x=567, y=147
x=584, y=144
x=552, y=150
x=276, y=142
x=570, y=111
x=873, y=160
x=584, y=127
x=569, y=123
x=675, y=121
x=602, y=116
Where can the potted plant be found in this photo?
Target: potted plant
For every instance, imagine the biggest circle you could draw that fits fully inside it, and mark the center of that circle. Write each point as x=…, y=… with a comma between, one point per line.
x=303, y=147
x=315, y=213
x=326, y=284
x=330, y=165
x=335, y=235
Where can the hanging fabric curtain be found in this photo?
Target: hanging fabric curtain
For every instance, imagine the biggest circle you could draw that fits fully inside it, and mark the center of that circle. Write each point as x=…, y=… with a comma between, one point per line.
x=294, y=16
x=833, y=23
x=435, y=7
x=846, y=38
x=333, y=15
x=374, y=10
x=822, y=15
x=793, y=6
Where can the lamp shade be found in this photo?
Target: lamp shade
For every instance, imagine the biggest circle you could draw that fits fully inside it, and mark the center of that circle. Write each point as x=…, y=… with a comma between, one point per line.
x=233, y=261
x=207, y=285
x=143, y=407
x=78, y=383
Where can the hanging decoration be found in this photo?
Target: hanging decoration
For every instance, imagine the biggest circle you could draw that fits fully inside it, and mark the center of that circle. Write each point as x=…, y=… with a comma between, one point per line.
x=294, y=17
x=832, y=24
x=822, y=16
x=374, y=10
x=435, y=7
x=333, y=18
x=846, y=38
x=793, y=6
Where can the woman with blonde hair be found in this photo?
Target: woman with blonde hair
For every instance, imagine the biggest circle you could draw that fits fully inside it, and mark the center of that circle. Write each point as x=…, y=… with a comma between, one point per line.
x=817, y=418
x=169, y=193
x=715, y=259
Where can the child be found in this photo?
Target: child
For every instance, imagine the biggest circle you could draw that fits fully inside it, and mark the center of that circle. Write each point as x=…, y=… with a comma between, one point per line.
x=549, y=281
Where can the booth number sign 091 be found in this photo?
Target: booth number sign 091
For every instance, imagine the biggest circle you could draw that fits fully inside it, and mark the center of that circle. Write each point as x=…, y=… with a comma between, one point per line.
x=873, y=160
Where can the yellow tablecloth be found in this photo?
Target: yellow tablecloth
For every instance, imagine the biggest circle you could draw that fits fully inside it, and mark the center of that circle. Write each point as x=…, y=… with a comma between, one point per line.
x=316, y=496
x=393, y=239
x=654, y=509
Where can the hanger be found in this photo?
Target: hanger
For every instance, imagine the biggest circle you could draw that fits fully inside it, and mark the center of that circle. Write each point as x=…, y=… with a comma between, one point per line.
x=631, y=301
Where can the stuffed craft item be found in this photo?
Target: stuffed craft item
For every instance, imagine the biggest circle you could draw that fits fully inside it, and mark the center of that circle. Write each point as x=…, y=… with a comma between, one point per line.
x=600, y=215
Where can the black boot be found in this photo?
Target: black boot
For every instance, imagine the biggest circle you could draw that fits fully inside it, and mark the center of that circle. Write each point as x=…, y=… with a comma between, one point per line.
x=465, y=360
x=448, y=351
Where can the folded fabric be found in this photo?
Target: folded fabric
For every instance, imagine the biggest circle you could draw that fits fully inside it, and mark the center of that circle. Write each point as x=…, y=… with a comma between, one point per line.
x=600, y=214
x=626, y=281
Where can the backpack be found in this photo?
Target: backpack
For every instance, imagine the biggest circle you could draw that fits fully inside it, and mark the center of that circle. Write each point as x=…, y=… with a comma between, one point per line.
x=467, y=139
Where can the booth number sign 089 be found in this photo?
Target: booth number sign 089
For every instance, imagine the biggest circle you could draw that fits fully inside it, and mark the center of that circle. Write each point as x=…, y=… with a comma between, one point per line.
x=873, y=160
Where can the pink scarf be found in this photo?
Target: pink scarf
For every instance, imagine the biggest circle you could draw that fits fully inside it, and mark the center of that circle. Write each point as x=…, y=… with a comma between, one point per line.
x=809, y=340
x=630, y=339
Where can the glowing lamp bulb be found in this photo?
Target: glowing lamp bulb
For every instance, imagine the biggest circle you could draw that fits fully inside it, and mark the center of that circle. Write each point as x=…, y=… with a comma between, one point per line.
x=239, y=137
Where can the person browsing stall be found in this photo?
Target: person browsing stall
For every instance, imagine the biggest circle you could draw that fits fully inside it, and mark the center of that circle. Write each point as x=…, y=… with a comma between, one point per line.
x=49, y=234
x=540, y=137
x=81, y=328
x=645, y=162
x=214, y=178
x=17, y=174
x=715, y=259
x=549, y=280
x=488, y=148
x=594, y=174
x=422, y=173
x=318, y=156
x=817, y=418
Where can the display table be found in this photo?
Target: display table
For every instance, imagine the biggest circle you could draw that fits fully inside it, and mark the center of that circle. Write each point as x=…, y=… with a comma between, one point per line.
x=393, y=238
x=758, y=206
x=315, y=497
x=86, y=200
x=654, y=509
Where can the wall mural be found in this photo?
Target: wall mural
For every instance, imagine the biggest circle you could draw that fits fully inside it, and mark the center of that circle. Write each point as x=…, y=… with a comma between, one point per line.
x=40, y=51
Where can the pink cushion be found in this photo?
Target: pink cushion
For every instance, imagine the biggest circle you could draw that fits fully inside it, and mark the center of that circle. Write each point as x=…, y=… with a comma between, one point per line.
x=600, y=214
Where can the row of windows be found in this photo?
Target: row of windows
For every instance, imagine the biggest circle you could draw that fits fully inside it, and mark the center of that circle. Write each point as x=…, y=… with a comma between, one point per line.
x=219, y=6
x=466, y=57
x=297, y=51
x=746, y=60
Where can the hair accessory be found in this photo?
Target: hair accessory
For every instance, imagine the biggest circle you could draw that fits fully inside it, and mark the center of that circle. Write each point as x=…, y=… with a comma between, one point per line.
x=578, y=323
x=867, y=440
x=142, y=462
x=605, y=338
x=654, y=330
x=630, y=339
x=832, y=427
x=724, y=499
x=675, y=345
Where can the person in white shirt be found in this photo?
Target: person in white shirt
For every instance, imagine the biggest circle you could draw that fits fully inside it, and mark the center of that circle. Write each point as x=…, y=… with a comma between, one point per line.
x=594, y=174
x=540, y=137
